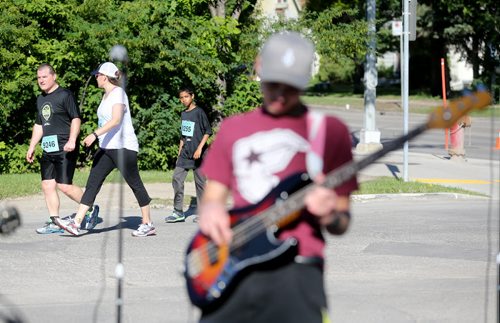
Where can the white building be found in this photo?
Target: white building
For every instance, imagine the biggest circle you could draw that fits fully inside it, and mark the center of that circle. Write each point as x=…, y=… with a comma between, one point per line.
x=285, y=8
x=288, y=9
x=461, y=73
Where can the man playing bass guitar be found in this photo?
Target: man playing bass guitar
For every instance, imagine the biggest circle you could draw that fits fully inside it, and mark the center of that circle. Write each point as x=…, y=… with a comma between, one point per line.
x=265, y=150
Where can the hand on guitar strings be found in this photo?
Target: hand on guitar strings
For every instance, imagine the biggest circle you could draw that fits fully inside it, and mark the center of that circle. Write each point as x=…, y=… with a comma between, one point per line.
x=215, y=223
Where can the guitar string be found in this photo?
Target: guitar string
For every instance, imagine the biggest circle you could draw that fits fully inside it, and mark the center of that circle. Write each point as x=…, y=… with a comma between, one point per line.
x=252, y=227
x=256, y=224
x=243, y=234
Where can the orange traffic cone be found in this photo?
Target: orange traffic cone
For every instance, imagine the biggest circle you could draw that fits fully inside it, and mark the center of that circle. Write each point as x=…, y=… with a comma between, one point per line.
x=497, y=146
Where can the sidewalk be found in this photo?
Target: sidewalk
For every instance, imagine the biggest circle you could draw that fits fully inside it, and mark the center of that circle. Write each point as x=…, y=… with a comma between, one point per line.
x=477, y=175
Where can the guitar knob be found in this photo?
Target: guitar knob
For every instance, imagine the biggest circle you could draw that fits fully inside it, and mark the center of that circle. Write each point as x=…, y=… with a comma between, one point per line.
x=447, y=115
x=9, y=220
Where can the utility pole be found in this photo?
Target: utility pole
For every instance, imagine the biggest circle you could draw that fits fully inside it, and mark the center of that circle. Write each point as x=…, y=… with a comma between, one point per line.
x=409, y=34
x=369, y=138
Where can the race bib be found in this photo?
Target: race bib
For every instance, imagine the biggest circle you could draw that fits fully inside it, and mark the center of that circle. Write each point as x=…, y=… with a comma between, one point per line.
x=50, y=144
x=187, y=128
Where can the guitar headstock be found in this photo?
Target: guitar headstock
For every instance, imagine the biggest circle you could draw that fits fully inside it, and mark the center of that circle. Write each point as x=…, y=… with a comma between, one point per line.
x=446, y=117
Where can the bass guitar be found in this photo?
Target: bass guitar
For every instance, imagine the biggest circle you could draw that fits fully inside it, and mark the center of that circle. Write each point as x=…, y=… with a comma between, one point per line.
x=212, y=271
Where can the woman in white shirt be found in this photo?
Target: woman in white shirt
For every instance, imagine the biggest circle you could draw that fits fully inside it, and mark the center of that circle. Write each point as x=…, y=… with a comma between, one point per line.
x=118, y=148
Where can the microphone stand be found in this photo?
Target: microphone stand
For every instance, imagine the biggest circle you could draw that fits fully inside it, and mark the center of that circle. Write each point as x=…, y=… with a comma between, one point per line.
x=119, y=53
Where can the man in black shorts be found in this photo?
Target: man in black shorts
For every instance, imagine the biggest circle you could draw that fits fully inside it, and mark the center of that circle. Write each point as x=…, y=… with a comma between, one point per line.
x=57, y=127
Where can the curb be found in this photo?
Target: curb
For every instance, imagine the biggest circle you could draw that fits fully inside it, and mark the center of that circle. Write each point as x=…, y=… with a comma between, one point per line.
x=414, y=196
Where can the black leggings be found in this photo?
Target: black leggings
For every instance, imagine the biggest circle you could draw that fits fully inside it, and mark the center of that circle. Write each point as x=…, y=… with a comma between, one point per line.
x=105, y=160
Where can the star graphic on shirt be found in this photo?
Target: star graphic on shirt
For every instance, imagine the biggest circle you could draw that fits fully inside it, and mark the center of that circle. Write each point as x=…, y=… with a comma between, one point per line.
x=253, y=157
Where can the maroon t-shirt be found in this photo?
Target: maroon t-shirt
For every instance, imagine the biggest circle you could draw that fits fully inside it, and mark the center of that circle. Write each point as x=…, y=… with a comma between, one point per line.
x=253, y=152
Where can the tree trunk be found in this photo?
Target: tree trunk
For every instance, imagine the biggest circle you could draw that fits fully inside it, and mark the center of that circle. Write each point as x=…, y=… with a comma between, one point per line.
x=217, y=8
x=438, y=50
x=475, y=58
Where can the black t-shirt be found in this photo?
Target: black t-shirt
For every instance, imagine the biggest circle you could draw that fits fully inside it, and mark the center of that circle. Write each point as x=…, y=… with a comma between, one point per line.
x=56, y=110
x=194, y=125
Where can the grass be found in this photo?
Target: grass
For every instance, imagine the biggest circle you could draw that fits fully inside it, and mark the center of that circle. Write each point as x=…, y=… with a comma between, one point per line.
x=17, y=185
x=417, y=103
x=391, y=185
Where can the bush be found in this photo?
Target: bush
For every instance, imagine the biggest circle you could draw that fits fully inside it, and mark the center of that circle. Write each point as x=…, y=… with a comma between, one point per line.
x=336, y=72
x=13, y=159
x=158, y=131
x=245, y=96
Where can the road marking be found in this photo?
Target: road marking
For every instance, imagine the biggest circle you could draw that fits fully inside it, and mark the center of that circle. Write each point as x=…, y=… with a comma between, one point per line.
x=454, y=181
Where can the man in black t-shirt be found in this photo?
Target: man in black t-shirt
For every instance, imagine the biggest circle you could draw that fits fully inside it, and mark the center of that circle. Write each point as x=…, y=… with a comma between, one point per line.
x=195, y=130
x=57, y=127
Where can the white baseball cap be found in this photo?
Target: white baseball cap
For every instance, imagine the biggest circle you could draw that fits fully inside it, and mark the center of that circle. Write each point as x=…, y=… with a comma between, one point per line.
x=108, y=69
x=287, y=58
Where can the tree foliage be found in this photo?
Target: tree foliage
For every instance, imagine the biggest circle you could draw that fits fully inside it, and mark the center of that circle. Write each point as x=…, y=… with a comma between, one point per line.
x=340, y=37
x=205, y=44
x=170, y=44
x=471, y=28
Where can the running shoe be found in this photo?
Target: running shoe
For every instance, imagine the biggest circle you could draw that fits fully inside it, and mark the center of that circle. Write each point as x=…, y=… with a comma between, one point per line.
x=175, y=217
x=49, y=227
x=91, y=217
x=72, y=216
x=144, y=230
x=69, y=225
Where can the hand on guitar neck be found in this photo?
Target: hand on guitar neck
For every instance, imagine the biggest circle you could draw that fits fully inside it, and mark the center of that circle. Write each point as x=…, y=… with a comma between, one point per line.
x=327, y=206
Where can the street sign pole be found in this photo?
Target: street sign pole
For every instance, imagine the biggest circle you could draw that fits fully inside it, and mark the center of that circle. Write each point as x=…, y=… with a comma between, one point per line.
x=406, y=55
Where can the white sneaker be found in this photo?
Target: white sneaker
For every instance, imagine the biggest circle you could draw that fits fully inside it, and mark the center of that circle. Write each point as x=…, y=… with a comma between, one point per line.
x=144, y=230
x=69, y=225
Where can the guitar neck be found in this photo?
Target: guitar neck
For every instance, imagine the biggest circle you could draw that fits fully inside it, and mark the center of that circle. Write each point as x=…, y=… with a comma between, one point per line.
x=288, y=209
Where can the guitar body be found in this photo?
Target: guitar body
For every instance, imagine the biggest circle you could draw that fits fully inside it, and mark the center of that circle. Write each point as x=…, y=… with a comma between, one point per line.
x=212, y=272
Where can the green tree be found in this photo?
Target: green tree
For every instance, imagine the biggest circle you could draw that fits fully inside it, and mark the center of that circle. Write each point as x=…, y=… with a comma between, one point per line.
x=471, y=27
x=340, y=38
x=170, y=44
x=208, y=45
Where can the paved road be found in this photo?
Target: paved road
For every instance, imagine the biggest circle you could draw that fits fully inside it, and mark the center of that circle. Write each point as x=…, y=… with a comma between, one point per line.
x=417, y=258
x=407, y=259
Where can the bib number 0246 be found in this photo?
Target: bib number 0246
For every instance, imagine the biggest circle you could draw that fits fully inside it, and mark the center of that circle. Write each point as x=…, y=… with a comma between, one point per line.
x=50, y=144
